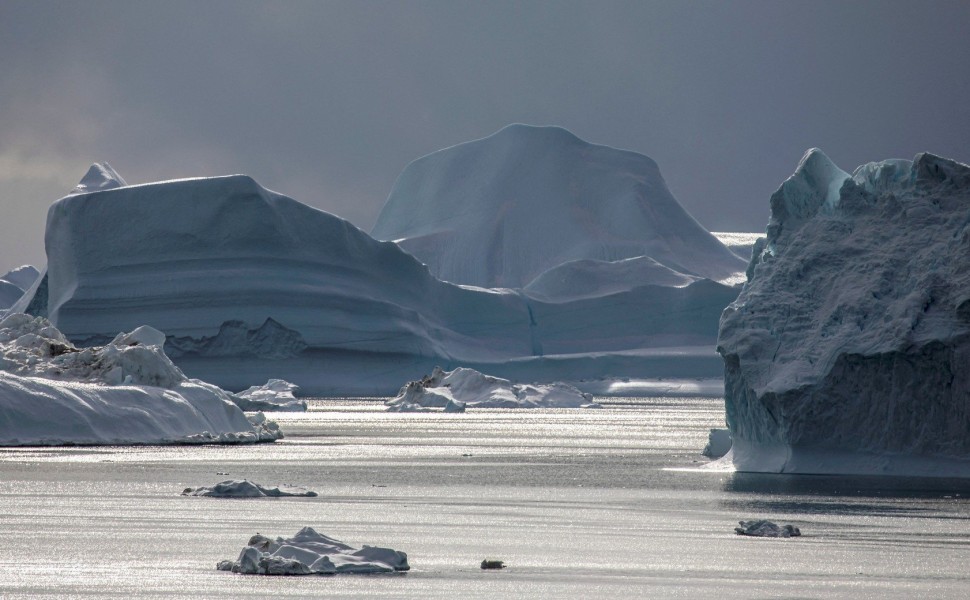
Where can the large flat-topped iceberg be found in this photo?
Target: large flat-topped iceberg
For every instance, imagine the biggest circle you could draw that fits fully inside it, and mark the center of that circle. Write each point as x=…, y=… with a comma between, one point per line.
x=501, y=211
x=127, y=392
x=848, y=349
x=251, y=285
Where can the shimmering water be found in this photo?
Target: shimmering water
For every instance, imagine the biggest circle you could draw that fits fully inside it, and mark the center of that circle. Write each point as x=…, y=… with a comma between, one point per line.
x=578, y=503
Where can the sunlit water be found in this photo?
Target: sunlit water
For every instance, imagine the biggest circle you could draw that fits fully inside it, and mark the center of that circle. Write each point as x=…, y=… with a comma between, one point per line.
x=578, y=503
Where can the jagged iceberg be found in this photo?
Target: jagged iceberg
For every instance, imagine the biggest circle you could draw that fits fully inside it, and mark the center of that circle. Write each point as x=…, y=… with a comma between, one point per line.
x=847, y=350
x=251, y=285
x=503, y=210
x=126, y=392
x=455, y=390
x=311, y=553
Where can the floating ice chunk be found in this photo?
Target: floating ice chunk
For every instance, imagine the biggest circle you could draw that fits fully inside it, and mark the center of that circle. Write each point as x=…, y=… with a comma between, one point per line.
x=763, y=528
x=274, y=395
x=310, y=553
x=243, y=488
x=455, y=390
x=718, y=443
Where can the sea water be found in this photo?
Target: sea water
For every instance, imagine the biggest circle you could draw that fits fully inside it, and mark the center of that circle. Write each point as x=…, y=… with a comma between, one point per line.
x=577, y=503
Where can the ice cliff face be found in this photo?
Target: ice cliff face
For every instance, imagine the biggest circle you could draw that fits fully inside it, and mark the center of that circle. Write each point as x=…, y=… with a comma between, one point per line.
x=848, y=349
x=501, y=211
x=251, y=285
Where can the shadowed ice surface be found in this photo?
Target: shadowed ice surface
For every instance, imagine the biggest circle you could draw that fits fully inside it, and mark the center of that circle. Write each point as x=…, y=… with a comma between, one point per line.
x=577, y=504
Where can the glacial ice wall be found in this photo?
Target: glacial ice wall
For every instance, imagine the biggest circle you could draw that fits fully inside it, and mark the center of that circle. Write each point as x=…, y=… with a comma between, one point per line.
x=848, y=349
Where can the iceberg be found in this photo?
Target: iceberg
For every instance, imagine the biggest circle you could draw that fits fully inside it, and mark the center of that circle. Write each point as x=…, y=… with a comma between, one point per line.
x=274, y=395
x=14, y=283
x=847, y=349
x=455, y=390
x=126, y=392
x=243, y=488
x=503, y=210
x=763, y=528
x=23, y=276
x=311, y=553
x=250, y=285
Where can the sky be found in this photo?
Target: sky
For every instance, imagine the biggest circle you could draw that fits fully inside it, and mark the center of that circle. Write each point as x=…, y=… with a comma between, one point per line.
x=328, y=101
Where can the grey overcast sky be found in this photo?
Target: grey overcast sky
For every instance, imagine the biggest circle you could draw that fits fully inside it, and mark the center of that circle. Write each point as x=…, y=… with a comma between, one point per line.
x=328, y=101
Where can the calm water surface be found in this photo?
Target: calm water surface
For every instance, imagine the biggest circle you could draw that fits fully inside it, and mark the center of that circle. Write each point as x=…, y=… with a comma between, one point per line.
x=578, y=503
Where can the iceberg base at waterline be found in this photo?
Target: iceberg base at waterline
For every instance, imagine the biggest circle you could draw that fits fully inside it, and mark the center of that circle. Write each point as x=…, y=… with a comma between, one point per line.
x=126, y=392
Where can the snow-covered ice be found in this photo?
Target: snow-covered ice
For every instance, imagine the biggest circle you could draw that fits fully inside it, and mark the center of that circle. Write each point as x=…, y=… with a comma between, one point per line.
x=311, y=553
x=764, y=528
x=243, y=488
x=250, y=285
x=274, y=395
x=455, y=390
x=126, y=392
x=847, y=349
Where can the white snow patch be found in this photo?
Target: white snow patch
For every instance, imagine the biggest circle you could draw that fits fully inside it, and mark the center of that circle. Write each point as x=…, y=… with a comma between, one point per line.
x=311, y=553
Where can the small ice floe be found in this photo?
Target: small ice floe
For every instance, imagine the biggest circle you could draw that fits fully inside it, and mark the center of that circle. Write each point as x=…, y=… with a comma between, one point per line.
x=764, y=528
x=452, y=391
x=718, y=443
x=311, y=553
x=274, y=395
x=243, y=488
